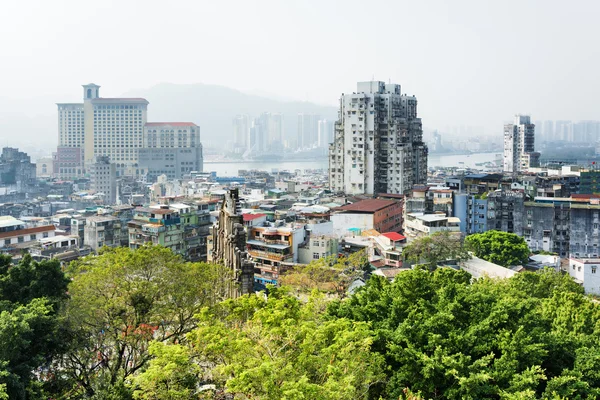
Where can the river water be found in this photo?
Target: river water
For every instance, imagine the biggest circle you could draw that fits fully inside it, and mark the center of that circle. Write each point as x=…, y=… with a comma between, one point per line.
x=232, y=168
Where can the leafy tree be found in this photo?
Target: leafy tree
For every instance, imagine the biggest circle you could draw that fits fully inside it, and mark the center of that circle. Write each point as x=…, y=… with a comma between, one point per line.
x=501, y=248
x=329, y=274
x=436, y=248
x=281, y=348
x=28, y=280
x=122, y=300
x=170, y=375
x=31, y=294
x=531, y=336
x=28, y=338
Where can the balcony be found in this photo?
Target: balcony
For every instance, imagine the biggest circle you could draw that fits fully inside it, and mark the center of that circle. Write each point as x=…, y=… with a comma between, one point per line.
x=171, y=221
x=269, y=255
x=275, y=241
x=153, y=230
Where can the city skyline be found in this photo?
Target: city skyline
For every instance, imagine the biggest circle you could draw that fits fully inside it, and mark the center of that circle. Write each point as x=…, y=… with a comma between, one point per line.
x=460, y=66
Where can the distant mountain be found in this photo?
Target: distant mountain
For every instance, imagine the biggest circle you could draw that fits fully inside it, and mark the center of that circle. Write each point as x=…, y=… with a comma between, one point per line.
x=214, y=107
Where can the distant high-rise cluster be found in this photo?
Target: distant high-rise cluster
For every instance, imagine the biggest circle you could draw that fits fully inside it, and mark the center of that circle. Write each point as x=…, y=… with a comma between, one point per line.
x=256, y=136
x=519, y=145
x=378, y=145
x=308, y=130
x=568, y=131
x=265, y=134
x=116, y=128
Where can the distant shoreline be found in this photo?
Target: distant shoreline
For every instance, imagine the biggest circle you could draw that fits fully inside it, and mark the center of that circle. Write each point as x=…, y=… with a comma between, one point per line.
x=302, y=160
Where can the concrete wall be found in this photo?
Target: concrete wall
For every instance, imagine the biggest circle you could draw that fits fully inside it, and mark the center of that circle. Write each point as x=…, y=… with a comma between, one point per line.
x=588, y=272
x=343, y=221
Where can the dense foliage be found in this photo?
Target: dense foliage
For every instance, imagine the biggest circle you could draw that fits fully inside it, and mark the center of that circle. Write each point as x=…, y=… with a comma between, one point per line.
x=434, y=249
x=121, y=301
x=146, y=325
x=31, y=294
x=499, y=247
x=273, y=348
x=531, y=336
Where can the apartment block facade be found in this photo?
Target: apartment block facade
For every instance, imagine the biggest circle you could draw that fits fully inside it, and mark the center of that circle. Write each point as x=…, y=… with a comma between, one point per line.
x=378, y=145
x=519, y=145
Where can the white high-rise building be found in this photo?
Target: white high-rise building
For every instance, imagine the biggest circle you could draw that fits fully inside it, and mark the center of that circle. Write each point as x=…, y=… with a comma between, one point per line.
x=170, y=148
x=378, y=145
x=519, y=145
x=111, y=127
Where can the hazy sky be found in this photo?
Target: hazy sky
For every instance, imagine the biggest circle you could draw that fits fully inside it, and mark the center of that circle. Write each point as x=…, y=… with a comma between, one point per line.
x=468, y=62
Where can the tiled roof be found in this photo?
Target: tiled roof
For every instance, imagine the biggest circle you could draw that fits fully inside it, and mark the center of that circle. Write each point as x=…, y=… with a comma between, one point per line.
x=368, y=206
x=393, y=236
x=251, y=217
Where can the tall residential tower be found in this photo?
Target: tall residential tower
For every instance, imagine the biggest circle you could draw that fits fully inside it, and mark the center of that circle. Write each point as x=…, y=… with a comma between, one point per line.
x=519, y=145
x=378, y=145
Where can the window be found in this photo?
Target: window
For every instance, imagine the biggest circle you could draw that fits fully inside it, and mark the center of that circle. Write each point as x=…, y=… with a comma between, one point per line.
x=594, y=269
x=6, y=242
x=21, y=239
x=579, y=268
x=32, y=237
x=45, y=234
x=316, y=256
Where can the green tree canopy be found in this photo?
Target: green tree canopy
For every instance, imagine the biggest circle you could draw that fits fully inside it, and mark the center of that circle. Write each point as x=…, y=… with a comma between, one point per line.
x=31, y=294
x=123, y=299
x=436, y=248
x=501, y=248
x=28, y=280
x=275, y=348
x=532, y=336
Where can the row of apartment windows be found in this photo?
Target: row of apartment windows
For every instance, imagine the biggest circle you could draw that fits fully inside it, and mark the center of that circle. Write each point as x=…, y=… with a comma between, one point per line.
x=21, y=239
x=121, y=107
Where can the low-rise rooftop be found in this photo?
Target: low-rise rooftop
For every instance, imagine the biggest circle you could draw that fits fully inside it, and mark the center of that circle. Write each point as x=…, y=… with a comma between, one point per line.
x=367, y=206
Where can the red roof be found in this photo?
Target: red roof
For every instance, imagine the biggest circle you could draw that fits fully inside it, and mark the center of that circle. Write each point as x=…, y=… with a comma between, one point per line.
x=393, y=236
x=584, y=196
x=27, y=231
x=369, y=205
x=250, y=217
x=170, y=124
